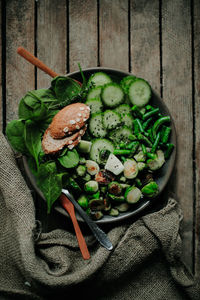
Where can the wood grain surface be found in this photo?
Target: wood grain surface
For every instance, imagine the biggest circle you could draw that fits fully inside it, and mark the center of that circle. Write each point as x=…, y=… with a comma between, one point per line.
x=196, y=101
x=157, y=40
x=145, y=51
x=83, y=45
x=19, y=73
x=114, y=34
x=177, y=94
x=51, y=32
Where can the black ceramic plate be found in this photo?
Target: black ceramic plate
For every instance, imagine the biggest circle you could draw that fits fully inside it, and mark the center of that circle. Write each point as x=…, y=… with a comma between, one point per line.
x=161, y=177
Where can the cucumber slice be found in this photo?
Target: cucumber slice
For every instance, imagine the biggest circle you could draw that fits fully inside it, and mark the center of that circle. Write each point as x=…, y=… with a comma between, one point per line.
x=112, y=95
x=130, y=169
x=94, y=92
x=126, y=81
x=95, y=105
x=127, y=120
x=111, y=119
x=96, y=125
x=139, y=92
x=97, y=146
x=120, y=135
x=123, y=109
x=99, y=79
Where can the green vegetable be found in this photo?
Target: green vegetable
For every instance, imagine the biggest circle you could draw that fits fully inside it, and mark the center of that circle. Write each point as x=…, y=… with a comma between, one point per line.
x=133, y=146
x=126, y=81
x=123, y=207
x=150, y=113
x=114, y=212
x=122, y=152
x=70, y=160
x=133, y=195
x=71, y=182
x=169, y=150
x=115, y=188
x=91, y=187
x=139, y=124
x=83, y=201
x=157, y=162
x=116, y=198
x=144, y=139
x=112, y=95
x=87, y=177
x=99, y=79
x=95, y=105
x=94, y=93
x=130, y=169
x=140, y=156
x=144, y=149
x=165, y=133
x=97, y=146
x=15, y=135
x=158, y=123
x=81, y=170
x=49, y=182
x=65, y=89
x=146, y=123
x=32, y=138
x=139, y=92
x=141, y=166
x=137, y=112
x=96, y=126
x=155, y=144
x=111, y=119
x=120, y=135
x=96, y=204
x=84, y=146
x=127, y=120
x=150, y=190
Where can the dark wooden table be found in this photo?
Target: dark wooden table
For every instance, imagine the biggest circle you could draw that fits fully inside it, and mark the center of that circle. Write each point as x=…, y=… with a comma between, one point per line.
x=156, y=40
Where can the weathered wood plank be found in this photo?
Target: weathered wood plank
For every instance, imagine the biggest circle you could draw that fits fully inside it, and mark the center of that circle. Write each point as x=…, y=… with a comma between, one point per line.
x=113, y=34
x=196, y=19
x=51, y=38
x=177, y=93
x=19, y=32
x=82, y=34
x=145, y=45
x=1, y=108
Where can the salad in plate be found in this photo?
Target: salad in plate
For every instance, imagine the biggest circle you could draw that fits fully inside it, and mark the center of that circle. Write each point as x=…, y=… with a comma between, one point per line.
x=103, y=140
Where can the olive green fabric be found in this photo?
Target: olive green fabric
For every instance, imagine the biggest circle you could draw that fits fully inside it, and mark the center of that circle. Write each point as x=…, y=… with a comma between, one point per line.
x=144, y=264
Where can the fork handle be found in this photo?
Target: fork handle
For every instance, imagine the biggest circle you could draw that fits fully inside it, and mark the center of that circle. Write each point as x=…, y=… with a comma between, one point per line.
x=81, y=241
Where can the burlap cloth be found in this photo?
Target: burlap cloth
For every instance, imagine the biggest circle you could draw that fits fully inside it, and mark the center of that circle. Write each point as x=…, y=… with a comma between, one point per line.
x=145, y=263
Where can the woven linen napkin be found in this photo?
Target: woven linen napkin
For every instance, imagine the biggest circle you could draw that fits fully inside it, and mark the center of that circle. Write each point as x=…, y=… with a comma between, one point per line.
x=144, y=264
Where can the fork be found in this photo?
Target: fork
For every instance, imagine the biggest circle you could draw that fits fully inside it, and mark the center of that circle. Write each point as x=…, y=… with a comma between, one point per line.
x=98, y=233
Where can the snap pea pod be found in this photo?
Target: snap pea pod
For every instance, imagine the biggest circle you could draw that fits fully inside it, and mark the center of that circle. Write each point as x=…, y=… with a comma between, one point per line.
x=144, y=149
x=155, y=144
x=139, y=124
x=144, y=139
x=165, y=133
x=136, y=127
x=150, y=113
x=122, y=145
x=158, y=123
x=151, y=155
x=122, y=152
x=147, y=122
x=137, y=112
x=132, y=137
x=133, y=146
x=169, y=150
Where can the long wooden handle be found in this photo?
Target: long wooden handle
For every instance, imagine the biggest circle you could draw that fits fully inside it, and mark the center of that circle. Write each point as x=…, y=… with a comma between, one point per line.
x=81, y=241
x=35, y=61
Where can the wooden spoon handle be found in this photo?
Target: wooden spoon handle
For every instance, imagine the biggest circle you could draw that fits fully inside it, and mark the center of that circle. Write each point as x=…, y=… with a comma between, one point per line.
x=81, y=241
x=35, y=61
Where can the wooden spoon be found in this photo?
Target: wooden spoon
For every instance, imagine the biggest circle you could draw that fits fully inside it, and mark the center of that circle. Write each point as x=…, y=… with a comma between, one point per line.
x=66, y=203
x=38, y=63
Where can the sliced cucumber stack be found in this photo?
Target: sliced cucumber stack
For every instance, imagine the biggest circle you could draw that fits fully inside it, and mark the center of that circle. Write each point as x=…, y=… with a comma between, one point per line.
x=96, y=125
x=112, y=95
x=111, y=119
x=99, y=145
x=126, y=81
x=95, y=105
x=94, y=92
x=127, y=119
x=139, y=92
x=120, y=135
x=123, y=109
x=99, y=79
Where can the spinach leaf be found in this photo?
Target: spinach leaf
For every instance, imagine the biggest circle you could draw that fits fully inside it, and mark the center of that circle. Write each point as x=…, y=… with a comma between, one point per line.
x=49, y=182
x=66, y=89
x=70, y=159
x=45, y=95
x=32, y=109
x=15, y=135
x=32, y=137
